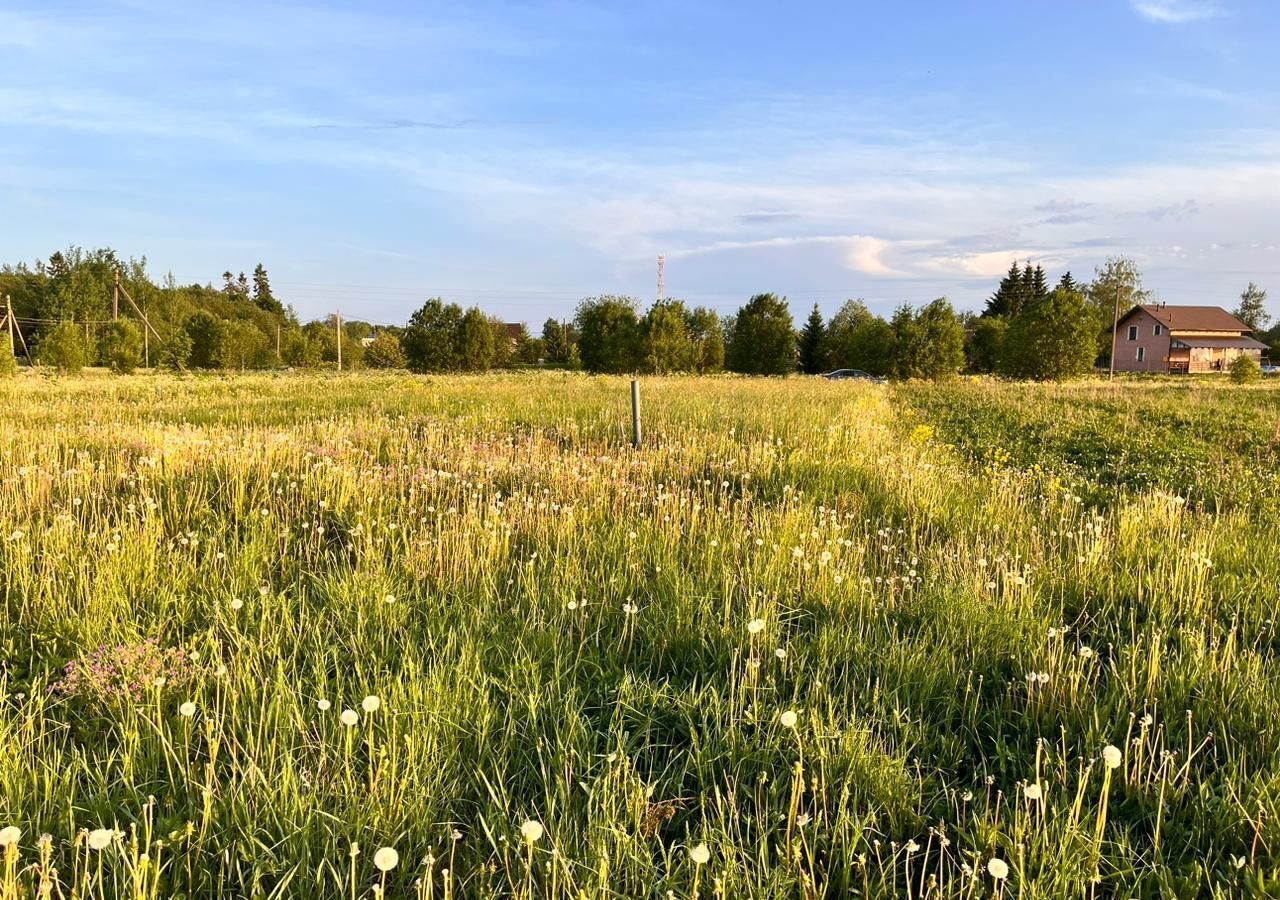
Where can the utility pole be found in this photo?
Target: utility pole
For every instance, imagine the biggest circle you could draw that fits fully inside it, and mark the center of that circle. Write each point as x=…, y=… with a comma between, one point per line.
x=661, y=287
x=14, y=327
x=146, y=346
x=1115, y=335
x=8, y=320
x=337, y=321
x=115, y=299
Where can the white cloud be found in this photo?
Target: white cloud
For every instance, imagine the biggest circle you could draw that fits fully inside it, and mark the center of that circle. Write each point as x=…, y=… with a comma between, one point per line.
x=989, y=265
x=1176, y=12
x=866, y=255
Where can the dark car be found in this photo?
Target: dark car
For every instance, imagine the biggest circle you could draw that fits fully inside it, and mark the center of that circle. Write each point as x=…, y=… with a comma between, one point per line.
x=853, y=375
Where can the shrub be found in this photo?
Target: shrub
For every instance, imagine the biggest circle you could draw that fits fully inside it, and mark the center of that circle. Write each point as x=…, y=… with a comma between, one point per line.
x=384, y=352
x=1244, y=370
x=120, y=347
x=63, y=348
x=175, y=351
x=8, y=363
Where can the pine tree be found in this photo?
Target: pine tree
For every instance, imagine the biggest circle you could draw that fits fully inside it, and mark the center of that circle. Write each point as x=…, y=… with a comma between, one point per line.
x=1067, y=283
x=812, y=340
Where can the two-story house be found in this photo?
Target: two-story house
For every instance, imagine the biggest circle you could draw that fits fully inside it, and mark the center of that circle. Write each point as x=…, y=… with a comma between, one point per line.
x=1154, y=337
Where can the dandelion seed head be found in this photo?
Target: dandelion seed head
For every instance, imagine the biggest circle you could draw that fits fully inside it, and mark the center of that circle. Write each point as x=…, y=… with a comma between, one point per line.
x=997, y=869
x=531, y=831
x=755, y=626
x=1111, y=756
x=386, y=858
x=100, y=838
x=699, y=854
x=370, y=704
x=788, y=719
x=349, y=717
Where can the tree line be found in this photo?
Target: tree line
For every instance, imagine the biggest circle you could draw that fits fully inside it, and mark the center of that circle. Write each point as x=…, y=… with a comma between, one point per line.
x=1028, y=329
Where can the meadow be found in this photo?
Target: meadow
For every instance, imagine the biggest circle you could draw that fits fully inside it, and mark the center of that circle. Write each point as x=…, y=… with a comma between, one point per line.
x=444, y=637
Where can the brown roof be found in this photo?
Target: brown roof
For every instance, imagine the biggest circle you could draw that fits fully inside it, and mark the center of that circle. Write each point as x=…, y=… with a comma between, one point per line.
x=514, y=329
x=1193, y=318
x=1238, y=343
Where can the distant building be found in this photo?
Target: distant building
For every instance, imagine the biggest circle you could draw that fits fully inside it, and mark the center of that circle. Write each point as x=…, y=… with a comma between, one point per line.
x=1154, y=337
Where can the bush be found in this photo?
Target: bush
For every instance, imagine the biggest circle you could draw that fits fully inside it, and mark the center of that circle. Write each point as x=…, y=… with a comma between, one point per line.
x=1244, y=370
x=384, y=352
x=120, y=347
x=63, y=348
x=8, y=363
x=176, y=351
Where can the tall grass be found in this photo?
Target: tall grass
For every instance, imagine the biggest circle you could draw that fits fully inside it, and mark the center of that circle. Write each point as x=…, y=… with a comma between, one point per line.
x=813, y=640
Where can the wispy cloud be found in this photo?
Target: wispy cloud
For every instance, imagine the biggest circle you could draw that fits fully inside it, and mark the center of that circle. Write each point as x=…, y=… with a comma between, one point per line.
x=1176, y=12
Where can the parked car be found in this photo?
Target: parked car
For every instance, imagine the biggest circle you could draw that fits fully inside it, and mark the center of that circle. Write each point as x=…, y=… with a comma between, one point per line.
x=1270, y=369
x=853, y=375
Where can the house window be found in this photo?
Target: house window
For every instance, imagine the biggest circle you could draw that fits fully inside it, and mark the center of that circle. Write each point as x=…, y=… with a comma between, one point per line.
x=1133, y=332
x=1157, y=330
x=1142, y=354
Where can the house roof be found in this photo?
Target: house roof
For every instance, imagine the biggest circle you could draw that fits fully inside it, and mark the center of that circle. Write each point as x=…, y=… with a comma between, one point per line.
x=1192, y=318
x=1237, y=343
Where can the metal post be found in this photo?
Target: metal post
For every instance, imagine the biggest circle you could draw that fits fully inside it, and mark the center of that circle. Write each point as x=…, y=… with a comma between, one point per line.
x=338, y=328
x=635, y=413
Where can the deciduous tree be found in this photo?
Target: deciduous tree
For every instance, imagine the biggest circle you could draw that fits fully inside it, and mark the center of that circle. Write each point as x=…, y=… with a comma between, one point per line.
x=1253, y=308
x=609, y=334
x=763, y=339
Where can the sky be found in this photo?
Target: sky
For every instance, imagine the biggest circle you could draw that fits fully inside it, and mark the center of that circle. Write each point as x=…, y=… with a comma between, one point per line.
x=523, y=155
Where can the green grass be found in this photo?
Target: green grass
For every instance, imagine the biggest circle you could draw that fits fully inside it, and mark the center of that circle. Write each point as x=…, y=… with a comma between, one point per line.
x=975, y=588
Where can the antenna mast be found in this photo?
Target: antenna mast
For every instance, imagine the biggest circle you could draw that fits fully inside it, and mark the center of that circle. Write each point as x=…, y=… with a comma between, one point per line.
x=661, y=287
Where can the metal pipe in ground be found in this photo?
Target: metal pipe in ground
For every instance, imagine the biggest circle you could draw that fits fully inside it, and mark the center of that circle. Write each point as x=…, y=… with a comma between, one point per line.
x=635, y=413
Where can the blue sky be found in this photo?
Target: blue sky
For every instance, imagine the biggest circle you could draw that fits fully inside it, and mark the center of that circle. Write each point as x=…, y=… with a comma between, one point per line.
x=522, y=155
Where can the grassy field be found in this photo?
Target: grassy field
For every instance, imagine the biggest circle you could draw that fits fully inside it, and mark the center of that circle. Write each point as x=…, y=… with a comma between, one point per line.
x=815, y=640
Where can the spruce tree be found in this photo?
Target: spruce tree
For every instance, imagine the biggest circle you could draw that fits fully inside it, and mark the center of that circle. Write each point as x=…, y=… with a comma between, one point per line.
x=1003, y=301
x=1038, y=288
x=262, y=295
x=812, y=339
